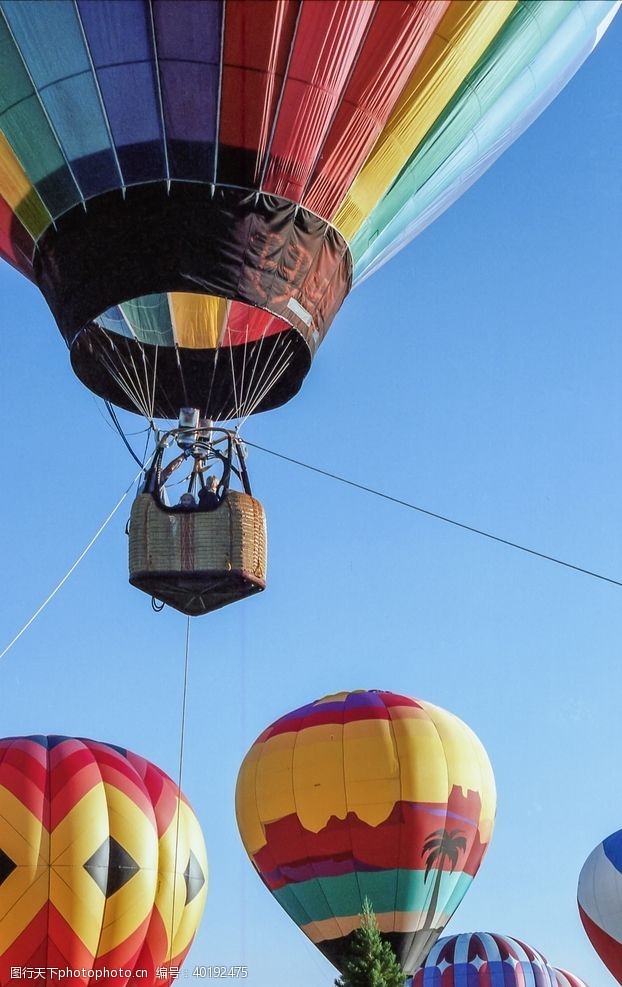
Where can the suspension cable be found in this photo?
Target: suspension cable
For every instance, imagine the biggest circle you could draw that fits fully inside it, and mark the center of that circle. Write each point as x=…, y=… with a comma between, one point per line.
x=438, y=517
x=71, y=569
x=182, y=734
x=117, y=425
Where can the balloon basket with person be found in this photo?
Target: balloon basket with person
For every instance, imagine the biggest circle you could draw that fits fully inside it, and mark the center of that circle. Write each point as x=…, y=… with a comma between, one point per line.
x=208, y=548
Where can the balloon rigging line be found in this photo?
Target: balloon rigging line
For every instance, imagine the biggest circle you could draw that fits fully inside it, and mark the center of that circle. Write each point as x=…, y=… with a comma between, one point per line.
x=117, y=425
x=244, y=363
x=72, y=569
x=123, y=378
x=236, y=400
x=269, y=376
x=153, y=381
x=182, y=733
x=263, y=386
x=439, y=517
x=252, y=389
x=139, y=431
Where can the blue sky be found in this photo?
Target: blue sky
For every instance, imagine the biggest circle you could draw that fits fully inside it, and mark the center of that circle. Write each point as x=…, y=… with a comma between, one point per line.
x=477, y=375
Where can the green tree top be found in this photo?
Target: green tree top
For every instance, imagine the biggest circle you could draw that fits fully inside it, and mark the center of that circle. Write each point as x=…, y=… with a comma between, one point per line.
x=370, y=961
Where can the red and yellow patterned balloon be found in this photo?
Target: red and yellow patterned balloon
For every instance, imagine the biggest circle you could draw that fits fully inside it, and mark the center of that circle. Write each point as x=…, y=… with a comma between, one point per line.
x=367, y=795
x=102, y=864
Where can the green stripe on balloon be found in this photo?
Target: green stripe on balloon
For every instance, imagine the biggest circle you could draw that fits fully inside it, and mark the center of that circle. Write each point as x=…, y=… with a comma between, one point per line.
x=392, y=890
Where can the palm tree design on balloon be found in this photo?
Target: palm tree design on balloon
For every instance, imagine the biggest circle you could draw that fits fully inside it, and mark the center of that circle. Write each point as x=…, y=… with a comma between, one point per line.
x=440, y=846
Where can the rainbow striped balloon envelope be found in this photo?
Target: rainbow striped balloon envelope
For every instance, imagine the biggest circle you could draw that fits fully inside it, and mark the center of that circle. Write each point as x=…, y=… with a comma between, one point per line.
x=196, y=186
x=367, y=795
x=484, y=959
x=599, y=898
x=103, y=872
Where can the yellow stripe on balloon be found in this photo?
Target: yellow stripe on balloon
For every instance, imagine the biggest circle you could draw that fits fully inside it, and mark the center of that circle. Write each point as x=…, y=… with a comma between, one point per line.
x=419, y=755
x=25, y=891
x=16, y=189
x=132, y=904
x=198, y=320
x=72, y=890
x=187, y=915
x=395, y=921
x=463, y=35
x=246, y=801
x=436, y=751
x=468, y=764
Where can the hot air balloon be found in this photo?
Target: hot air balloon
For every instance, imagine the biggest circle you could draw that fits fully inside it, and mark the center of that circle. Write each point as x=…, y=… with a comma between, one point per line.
x=102, y=863
x=599, y=896
x=367, y=794
x=486, y=959
x=195, y=187
x=565, y=979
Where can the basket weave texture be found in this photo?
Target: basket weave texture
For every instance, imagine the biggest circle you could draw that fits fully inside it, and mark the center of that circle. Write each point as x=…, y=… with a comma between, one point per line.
x=231, y=538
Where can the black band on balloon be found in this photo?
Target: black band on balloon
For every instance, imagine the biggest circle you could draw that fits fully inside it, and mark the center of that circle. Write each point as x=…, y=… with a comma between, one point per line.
x=247, y=246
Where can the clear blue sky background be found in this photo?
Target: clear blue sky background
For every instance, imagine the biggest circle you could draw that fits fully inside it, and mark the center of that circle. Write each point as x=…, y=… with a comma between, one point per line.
x=477, y=375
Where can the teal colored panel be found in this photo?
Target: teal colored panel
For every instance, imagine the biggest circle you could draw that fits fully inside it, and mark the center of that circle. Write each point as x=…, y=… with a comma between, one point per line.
x=150, y=319
x=50, y=39
x=15, y=84
x=391, y=890
x=28, y=133
x=416, y=895
x=544, y=44
x=381, y=886
x=74, y=108
x=312, y=901
x=26, y=128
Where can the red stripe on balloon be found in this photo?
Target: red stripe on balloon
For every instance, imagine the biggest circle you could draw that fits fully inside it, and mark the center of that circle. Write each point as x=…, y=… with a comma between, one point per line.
x=16, y=244
x=398, y=36
x=293, y=854
x=608, y=948
x=369, y=706
x=23, y=772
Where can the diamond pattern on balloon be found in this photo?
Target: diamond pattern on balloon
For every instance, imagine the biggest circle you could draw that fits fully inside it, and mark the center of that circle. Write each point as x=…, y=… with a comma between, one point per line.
x=7, y=866
x=194, y=878
x=111, y=867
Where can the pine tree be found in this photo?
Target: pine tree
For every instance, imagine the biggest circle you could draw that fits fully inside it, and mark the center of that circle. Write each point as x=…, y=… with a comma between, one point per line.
x=370, y=961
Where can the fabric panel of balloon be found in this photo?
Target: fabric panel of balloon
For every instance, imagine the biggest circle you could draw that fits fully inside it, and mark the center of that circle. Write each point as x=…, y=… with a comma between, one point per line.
x=102, y=863
x=566, y=979
x=367, y=794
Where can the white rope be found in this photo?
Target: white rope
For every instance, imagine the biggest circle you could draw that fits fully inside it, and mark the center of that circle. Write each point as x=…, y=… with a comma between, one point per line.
x=121, y=375
x=263, y=386
x=250, y=389
x=73, y=567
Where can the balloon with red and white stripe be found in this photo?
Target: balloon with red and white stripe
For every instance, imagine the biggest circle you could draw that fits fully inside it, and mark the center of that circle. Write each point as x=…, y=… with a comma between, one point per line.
x=600, y=901
x=566, y=979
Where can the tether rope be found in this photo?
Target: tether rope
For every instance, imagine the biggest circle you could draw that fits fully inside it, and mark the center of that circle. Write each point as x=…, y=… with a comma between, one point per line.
x=182, y=733
x=73, y=567
x=438, y=517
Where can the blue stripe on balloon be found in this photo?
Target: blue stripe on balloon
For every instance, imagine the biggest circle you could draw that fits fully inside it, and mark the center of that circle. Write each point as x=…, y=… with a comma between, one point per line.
x=613, y=849
x=120, y=40
x=188, y=38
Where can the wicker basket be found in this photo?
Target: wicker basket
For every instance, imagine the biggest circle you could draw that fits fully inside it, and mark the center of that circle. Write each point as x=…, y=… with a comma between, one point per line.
x=200, y=560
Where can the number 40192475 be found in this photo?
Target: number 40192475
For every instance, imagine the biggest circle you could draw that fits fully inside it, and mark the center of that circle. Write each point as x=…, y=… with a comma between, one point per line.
x=220, y=971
